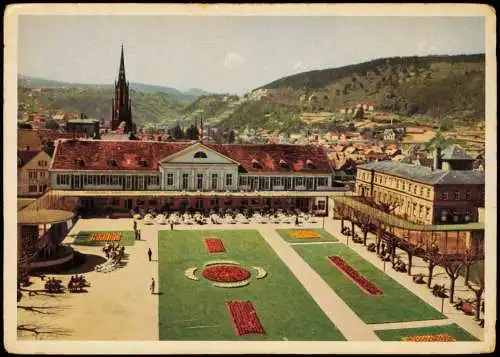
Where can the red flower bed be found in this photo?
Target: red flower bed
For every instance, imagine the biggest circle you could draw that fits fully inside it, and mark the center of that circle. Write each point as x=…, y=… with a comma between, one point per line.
x=352, y=274
x=214, y=245
x=245, y=319
x=225, y=273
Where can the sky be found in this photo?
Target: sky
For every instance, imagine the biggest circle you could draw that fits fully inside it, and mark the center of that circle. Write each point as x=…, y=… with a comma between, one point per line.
x=227, y=54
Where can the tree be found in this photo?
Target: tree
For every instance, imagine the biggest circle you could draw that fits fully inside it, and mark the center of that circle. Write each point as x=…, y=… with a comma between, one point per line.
x=232, y=137
x=176, y=132
x=360, y=113
x=48, y=147
x=478, y=289
x=51, y=124
x=192, y=132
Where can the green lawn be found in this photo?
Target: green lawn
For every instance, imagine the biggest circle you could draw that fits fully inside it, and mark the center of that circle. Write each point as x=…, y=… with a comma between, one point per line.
x=324, y=235
x=453, y=330
x=195, y=310
x=83, y=238
x=397, y=304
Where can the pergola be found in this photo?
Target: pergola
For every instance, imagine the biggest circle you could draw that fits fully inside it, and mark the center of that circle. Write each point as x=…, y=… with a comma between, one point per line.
x=450, y=241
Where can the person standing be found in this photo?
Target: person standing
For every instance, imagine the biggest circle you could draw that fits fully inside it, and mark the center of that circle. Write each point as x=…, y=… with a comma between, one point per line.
x=171, y=226
x=150, y=253
x=152, y=286
x=135, y=225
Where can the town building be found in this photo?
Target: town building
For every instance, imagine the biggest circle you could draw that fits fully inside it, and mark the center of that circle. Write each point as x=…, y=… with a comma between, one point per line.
x=90, y=127
x=32, y=172
x=169, y=170
x=421, y=194
x=121, y=107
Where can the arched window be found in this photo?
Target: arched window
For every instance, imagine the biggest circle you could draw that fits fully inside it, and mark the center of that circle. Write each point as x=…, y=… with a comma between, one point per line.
x=200, y=155
x=256, y=164
x=283, y=164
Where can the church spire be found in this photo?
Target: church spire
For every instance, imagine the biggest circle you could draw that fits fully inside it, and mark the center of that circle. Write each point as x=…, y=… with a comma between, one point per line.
x=121, y=73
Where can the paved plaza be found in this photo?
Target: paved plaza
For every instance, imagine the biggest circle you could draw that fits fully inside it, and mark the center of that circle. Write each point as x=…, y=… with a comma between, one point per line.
x=119, y=305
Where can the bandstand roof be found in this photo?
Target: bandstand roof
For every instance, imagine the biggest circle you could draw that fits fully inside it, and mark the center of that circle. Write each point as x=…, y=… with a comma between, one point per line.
x=395, y=221
x=43, y=216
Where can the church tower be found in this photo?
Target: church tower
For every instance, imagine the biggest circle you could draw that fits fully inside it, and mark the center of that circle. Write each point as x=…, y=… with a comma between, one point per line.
x=121, y=105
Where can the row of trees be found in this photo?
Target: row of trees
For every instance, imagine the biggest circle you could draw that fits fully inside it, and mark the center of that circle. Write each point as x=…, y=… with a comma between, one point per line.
x=192, y=133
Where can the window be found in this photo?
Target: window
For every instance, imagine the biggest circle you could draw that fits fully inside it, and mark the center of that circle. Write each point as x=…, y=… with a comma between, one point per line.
x=444, y=195
x=322, y=181
x=321, y=205
x=199, y=203
x=199, y=181
x=154, y=180
x=421, y=191
x=468, y=195
x=299, y=181
x=427, y=212
x=42, y=163
x=456, y=195
x=256, y=164
x=107, y=179
x=283, y=164
x=428, y=193
x=102, y=180
x=404, y=185
x=414, y=189
x=32, y=175
x=170, y=179
x=243, y=180
x=114, y=179
x=214, y=181
x=32, y=188
x=229, y=179
x=43, y=188
x=409, y=187
x=115, y=202
x=276, y=181
x=200, y=155
x=185, y=181
x=397, y=184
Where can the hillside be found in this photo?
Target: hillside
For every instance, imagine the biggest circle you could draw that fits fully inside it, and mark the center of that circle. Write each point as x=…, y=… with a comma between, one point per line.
x=147, y=108
x=434, y=85
x=188, y=96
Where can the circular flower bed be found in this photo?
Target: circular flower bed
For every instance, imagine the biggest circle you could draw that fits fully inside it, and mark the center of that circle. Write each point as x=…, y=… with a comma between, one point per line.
x=225, y=273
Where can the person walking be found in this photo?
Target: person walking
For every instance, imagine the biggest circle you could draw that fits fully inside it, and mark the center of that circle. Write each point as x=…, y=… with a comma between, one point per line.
x=150, y=253
x=135, y=225
x=171, y=226
x=296, y=220
x=152, y=286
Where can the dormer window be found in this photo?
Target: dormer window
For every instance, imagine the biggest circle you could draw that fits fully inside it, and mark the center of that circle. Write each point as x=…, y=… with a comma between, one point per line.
x=112, y=163
x=200, y=155
x=143, y=163
x=79, y=163
x=310, y=164
x=283, y=164
x=256, y=164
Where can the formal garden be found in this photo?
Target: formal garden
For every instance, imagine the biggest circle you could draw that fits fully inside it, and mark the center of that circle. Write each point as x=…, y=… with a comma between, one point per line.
x=97, y=238
x=443, y=333
x=306, y=235
x=374, y=296
x=231, y=285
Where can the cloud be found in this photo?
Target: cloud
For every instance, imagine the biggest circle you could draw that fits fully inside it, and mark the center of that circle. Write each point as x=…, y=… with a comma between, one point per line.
x=298, y=65
x=233, y=59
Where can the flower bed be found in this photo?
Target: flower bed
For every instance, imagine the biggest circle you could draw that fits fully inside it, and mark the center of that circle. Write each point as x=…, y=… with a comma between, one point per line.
x=214, y=245
x=225, y=273
x=357, y=278
x=108, y=236
x=244, y=317
x=441, y=337
x=305, y=234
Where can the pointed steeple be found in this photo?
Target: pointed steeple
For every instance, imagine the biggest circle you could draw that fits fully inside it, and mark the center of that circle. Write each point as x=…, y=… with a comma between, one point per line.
x=121, y=73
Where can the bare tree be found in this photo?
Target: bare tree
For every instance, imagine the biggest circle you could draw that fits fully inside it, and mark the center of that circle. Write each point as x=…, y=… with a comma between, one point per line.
x=478, y=290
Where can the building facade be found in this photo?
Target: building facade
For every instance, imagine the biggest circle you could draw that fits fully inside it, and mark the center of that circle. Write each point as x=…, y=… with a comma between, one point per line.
x=92, y=165
x=423, y=195
x=32, y=173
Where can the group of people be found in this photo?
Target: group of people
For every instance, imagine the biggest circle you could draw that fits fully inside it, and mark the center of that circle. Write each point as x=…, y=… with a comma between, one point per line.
x=53, y=285
x=114, y=251
x=77, y=279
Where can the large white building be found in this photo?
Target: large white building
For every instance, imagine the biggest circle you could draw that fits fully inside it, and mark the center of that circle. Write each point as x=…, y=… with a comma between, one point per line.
x=126, y=166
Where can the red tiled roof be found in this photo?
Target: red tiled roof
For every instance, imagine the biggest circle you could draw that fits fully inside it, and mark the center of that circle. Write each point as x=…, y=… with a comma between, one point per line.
x=96, y=155
x=269, y=156
x=26, y=137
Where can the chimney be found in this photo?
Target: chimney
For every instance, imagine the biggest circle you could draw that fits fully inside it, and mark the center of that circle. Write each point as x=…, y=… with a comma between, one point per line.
x=201, y=129
x=437, y=165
